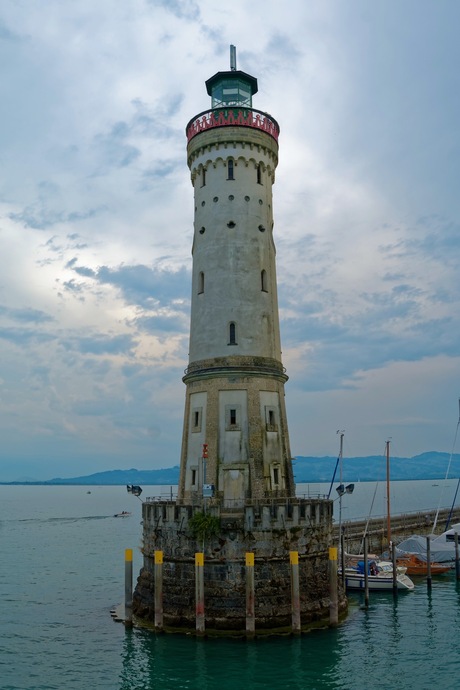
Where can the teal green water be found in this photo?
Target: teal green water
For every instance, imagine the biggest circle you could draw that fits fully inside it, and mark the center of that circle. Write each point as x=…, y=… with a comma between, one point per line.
x=62, y=568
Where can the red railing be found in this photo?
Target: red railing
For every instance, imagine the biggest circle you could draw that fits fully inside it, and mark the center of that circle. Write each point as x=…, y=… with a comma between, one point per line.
x=232, y=117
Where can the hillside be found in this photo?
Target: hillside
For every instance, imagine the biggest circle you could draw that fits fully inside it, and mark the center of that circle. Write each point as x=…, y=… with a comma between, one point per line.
x=430, y=465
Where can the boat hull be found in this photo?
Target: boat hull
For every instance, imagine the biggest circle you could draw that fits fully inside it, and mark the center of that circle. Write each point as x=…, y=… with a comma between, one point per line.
x=416, y=566
x=355, y=581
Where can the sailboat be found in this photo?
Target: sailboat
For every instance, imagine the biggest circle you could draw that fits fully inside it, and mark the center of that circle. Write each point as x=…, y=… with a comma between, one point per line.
x=442, y=546
x=380, y=572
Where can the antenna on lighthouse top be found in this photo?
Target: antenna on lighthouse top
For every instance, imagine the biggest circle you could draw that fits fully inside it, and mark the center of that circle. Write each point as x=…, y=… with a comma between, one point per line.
x=233, y=58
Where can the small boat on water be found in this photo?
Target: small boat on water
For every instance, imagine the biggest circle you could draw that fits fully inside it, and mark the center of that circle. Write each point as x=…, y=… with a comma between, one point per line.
x=124, y=513
x=442, y=546
x=379, y=577
x=417, y=566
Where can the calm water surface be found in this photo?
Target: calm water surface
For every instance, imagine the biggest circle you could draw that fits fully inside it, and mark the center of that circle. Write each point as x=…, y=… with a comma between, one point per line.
x=62, y=569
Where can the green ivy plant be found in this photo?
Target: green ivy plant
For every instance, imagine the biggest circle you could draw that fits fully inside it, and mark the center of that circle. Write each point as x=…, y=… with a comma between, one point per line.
x=204, y=525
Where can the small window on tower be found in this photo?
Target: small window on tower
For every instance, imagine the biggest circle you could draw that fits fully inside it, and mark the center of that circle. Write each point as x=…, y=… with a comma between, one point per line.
x=201, y=283
x=230, y=169
x=276, y=476
x=196, y=419
x=271, y=420
x=203, y=178
x=263, y=281
x=259, y=174
x=232, y=417
x=232, y=334
x=194, y=473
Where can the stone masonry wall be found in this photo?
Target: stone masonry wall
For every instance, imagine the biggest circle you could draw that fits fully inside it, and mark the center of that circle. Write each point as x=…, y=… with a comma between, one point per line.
x=270, y=532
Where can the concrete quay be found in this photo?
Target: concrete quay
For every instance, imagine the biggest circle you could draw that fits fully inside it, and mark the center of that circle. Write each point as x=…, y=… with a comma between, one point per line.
x=402, y=526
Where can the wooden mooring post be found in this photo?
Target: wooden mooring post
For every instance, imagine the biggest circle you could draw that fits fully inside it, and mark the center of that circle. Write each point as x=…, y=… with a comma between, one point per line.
x=128, y=588
x=295, y=594
x=333, y=588
x=428, y=563
x=199, y=593
x=366, y=571
x=250, y=597
x=158, y=575
x=457, y=562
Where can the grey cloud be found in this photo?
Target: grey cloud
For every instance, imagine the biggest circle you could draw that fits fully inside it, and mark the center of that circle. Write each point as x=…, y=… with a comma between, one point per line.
x=84, y=271
x=183, y=9
x=162, y=168
x=22, y=336
x=73, y=286
x=40, y=217
x=164, y=324
x=26, y=315
x=101, y=344
x=8, y=35
x=140, y=284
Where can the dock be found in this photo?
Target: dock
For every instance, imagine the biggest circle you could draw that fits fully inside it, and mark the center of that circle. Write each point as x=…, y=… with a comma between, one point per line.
x=402, y=526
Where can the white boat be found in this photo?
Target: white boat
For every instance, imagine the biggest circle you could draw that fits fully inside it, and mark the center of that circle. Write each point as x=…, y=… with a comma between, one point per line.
x=442, y=546
x=380, y=576
x=123, y=513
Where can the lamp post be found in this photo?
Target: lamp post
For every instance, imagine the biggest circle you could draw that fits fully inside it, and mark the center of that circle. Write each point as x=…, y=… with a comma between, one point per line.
x=341, y=490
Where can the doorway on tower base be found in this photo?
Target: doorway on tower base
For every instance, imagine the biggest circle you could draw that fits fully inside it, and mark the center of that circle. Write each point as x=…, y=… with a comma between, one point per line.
x=235, y=486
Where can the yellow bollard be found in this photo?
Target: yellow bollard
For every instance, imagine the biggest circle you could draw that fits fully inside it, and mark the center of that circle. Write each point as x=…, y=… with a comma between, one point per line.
x=199, y=593
x=295, y=595
x=158, y=559
x=128, y=588
x=250, y=598
x=333, y=589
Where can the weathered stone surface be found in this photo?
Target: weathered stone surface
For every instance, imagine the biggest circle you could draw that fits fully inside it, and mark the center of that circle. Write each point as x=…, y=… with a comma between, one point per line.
x=307, y=530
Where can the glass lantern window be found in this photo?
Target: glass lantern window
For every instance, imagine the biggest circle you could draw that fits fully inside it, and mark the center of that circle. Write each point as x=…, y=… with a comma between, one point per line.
x=229, y=92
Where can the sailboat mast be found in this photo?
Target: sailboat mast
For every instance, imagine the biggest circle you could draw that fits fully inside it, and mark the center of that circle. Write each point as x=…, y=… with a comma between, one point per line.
x=388, y=493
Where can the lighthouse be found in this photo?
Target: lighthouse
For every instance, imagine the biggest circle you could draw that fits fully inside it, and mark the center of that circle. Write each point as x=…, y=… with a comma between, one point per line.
x=235, y=406
x=237, y=551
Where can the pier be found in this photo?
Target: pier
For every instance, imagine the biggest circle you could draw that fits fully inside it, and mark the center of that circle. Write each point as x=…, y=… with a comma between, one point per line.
x=402, y=526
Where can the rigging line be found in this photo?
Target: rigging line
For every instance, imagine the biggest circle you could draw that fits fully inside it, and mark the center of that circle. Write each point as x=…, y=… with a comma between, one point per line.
x=447, y=473
x=333, y=476
x=369, y=517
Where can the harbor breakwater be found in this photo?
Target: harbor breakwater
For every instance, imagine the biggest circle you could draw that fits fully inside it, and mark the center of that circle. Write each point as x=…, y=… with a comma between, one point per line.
x=402, y=526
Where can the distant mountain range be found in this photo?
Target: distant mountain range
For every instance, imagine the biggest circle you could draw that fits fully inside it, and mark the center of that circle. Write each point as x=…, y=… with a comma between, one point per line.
x=431, y=465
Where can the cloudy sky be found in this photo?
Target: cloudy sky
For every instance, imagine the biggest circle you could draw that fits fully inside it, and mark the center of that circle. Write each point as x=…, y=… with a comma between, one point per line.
x=96, y=216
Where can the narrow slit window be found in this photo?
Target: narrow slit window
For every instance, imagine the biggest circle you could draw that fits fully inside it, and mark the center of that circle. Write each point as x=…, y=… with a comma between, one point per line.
x=271, y=418
x=203, y=178
x=263, y=281
x=196, y=418
x=276, y=476
x=230, y=174
x=201, y=283
x=259, y=174
x=193, y=477
x=232, y=334
x=233, y=417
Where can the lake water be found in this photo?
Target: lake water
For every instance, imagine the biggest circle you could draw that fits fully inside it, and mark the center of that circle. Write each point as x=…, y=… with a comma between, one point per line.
x=62, y=569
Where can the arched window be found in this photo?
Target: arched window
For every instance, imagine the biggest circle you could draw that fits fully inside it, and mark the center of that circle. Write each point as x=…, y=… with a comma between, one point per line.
x=230, y=169
x=263, y=281
x=201, y=282
x=232, y=334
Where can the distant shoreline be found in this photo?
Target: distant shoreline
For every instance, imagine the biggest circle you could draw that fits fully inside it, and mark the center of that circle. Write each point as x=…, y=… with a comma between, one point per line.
x=307, y=470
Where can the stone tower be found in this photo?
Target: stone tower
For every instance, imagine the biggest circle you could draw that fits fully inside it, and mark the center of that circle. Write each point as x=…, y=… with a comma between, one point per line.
x=235, y=378
x=237, y=552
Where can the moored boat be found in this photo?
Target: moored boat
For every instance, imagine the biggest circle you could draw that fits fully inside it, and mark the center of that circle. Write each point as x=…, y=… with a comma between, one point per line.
x=417, y=566
x=379, y=577
x=442, y=546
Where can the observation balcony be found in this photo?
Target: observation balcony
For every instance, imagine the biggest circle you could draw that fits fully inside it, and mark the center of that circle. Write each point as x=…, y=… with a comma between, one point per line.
x=232, y=117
